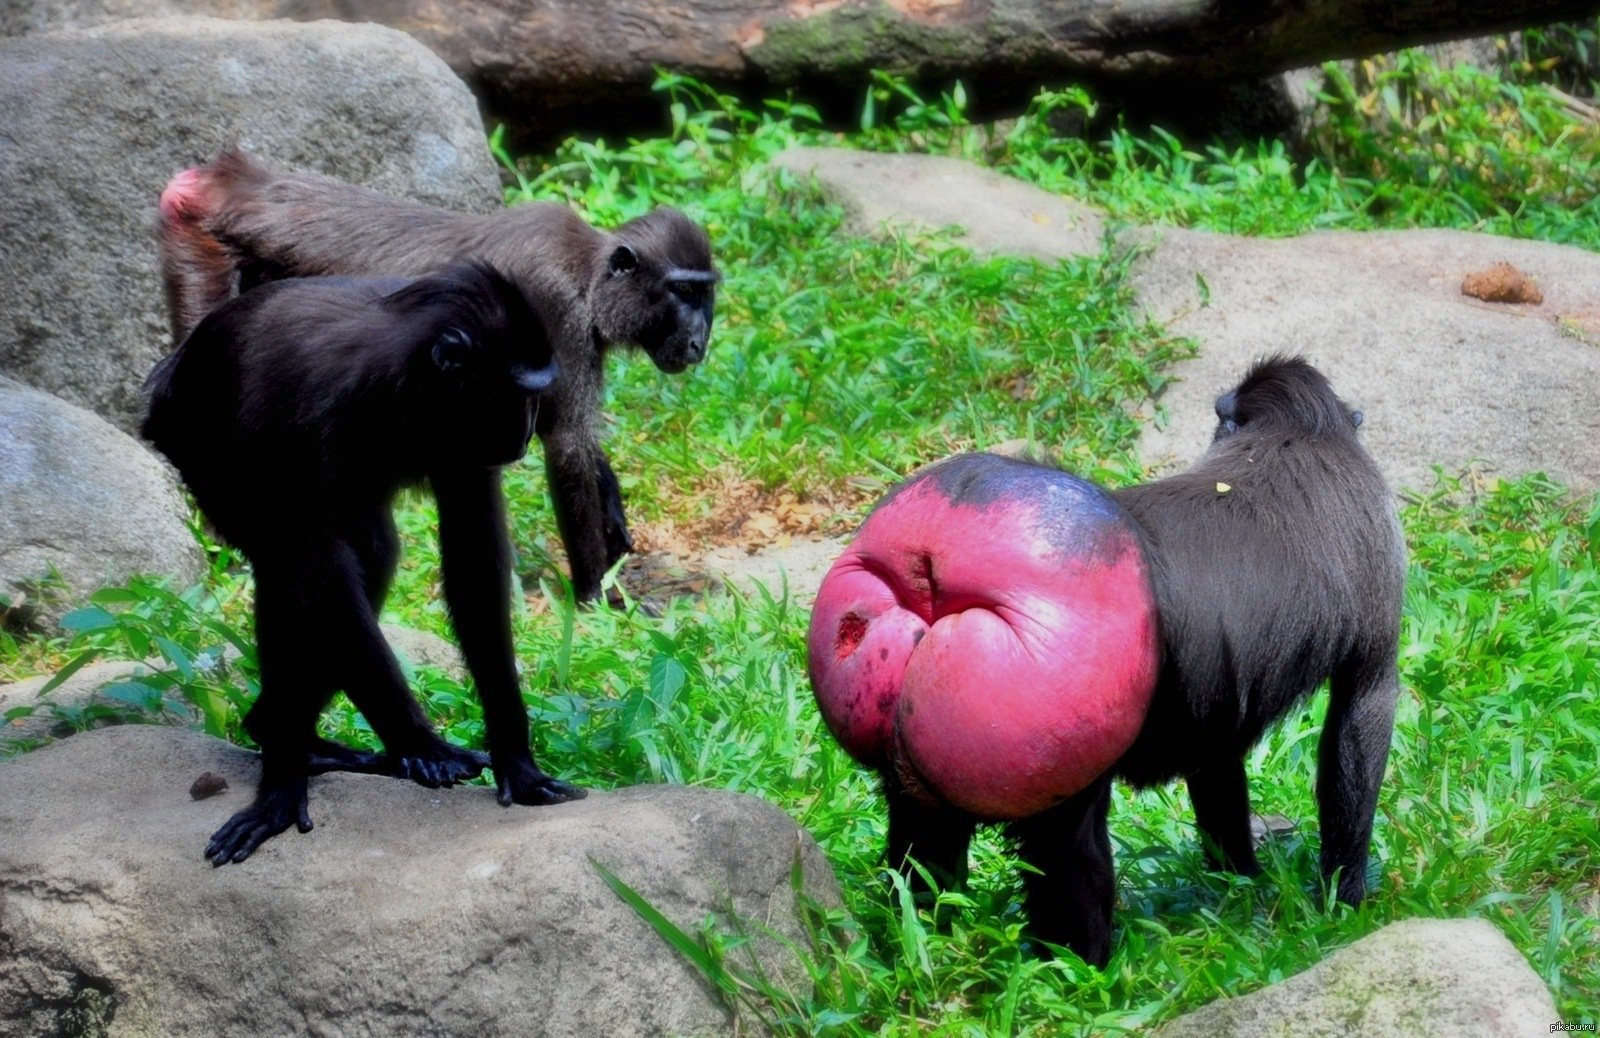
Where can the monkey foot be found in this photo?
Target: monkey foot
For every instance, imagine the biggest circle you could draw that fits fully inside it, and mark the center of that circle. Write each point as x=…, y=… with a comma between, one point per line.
x=524, y=783
x=441, y=765
x=273, y=811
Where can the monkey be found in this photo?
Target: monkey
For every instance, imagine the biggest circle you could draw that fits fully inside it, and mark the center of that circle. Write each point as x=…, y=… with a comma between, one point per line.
x=294, y=413
x=650, y=283
x=1278, y=563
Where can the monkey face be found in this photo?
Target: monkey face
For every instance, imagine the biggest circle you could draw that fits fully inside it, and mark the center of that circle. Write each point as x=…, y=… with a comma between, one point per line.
x=658, y=289
x=495, y=390
x=680, y=339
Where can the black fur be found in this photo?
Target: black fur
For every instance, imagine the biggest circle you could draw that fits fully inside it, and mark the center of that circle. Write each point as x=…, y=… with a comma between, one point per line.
x=294, y=412
x=1292, y=575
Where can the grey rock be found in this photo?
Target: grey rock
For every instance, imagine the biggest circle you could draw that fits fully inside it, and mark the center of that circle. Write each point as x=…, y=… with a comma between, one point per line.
x=93, y=123
x=1443, y=379
x=1412, y=979
x=405, y=911
x=85, y=499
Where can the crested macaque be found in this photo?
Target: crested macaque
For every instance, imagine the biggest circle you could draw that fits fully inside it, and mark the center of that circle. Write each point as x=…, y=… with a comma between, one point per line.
x=1277, y=563
x=650, y=283
x=294, y=413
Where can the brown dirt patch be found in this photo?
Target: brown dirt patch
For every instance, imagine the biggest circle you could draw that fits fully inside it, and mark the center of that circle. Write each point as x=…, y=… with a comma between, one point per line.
x=1501, y=283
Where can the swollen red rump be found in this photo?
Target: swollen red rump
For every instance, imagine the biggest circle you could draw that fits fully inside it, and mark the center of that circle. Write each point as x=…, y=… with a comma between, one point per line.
x=990, y=636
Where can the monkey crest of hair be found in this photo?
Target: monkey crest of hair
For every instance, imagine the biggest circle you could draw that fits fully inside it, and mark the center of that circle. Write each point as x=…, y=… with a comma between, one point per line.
x=651, y=284
x=294, y=413
x=1285, y=393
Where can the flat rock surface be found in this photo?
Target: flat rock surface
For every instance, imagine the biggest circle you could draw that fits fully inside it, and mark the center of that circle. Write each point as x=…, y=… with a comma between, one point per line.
x=995, y=213
x=405, y=911
x=1443, y=378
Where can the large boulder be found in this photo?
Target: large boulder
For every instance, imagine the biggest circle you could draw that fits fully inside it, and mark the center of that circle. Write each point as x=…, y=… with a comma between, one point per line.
x=84, y=502
x=1411, y=979
x=405, y=911
x=1444, y=377
x=96, y=121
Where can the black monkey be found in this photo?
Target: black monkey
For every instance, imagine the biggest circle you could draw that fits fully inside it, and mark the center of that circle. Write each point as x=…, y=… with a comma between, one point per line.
x=649, y=283
x=295, y=412
x=1278, y=563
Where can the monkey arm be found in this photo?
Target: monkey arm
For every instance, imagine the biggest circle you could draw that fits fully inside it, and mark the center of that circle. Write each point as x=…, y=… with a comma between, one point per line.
x=618, y=541
x=476, y=554
x=577, y=473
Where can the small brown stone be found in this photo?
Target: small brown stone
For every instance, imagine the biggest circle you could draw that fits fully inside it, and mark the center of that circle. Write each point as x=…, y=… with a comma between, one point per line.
x=209, y=784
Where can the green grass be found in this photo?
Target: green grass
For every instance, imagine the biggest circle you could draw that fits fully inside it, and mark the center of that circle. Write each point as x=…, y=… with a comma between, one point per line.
x=837, y=365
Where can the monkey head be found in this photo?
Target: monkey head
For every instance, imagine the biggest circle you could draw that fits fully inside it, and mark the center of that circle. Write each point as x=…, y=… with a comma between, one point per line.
x=492, y=362
x=656, y=288
x=1284, y=394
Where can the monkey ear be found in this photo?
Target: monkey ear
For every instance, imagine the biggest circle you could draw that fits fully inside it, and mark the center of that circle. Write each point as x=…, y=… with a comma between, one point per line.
x=623, y=260
x=452, y=349
x=1356, y=418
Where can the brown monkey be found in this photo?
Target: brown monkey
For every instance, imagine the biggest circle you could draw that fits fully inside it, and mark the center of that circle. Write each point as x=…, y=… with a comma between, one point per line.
x=650, y=283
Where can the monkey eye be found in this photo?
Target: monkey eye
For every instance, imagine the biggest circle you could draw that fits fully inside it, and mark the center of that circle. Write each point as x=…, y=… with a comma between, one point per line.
x=453, y=349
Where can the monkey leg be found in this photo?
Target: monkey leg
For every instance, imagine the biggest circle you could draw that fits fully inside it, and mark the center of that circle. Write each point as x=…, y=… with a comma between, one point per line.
x=475, y=552
x=1351, y=760
x=1069, y=897
x=615, y=521
x=1221, y=797
x=378, y=689
x=283, y=721
x=937, y=838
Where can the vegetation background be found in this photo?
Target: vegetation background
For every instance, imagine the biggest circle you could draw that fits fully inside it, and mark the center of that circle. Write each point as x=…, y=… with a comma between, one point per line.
x=839, y=364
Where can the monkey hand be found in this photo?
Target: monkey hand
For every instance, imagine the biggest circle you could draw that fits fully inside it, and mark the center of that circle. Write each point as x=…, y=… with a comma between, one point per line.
x=521, y=782
x=989, y=638
x=275, y=809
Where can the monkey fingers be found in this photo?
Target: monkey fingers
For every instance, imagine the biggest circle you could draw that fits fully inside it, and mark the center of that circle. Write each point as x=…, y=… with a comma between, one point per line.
x=522, y=782
x=275, y=809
